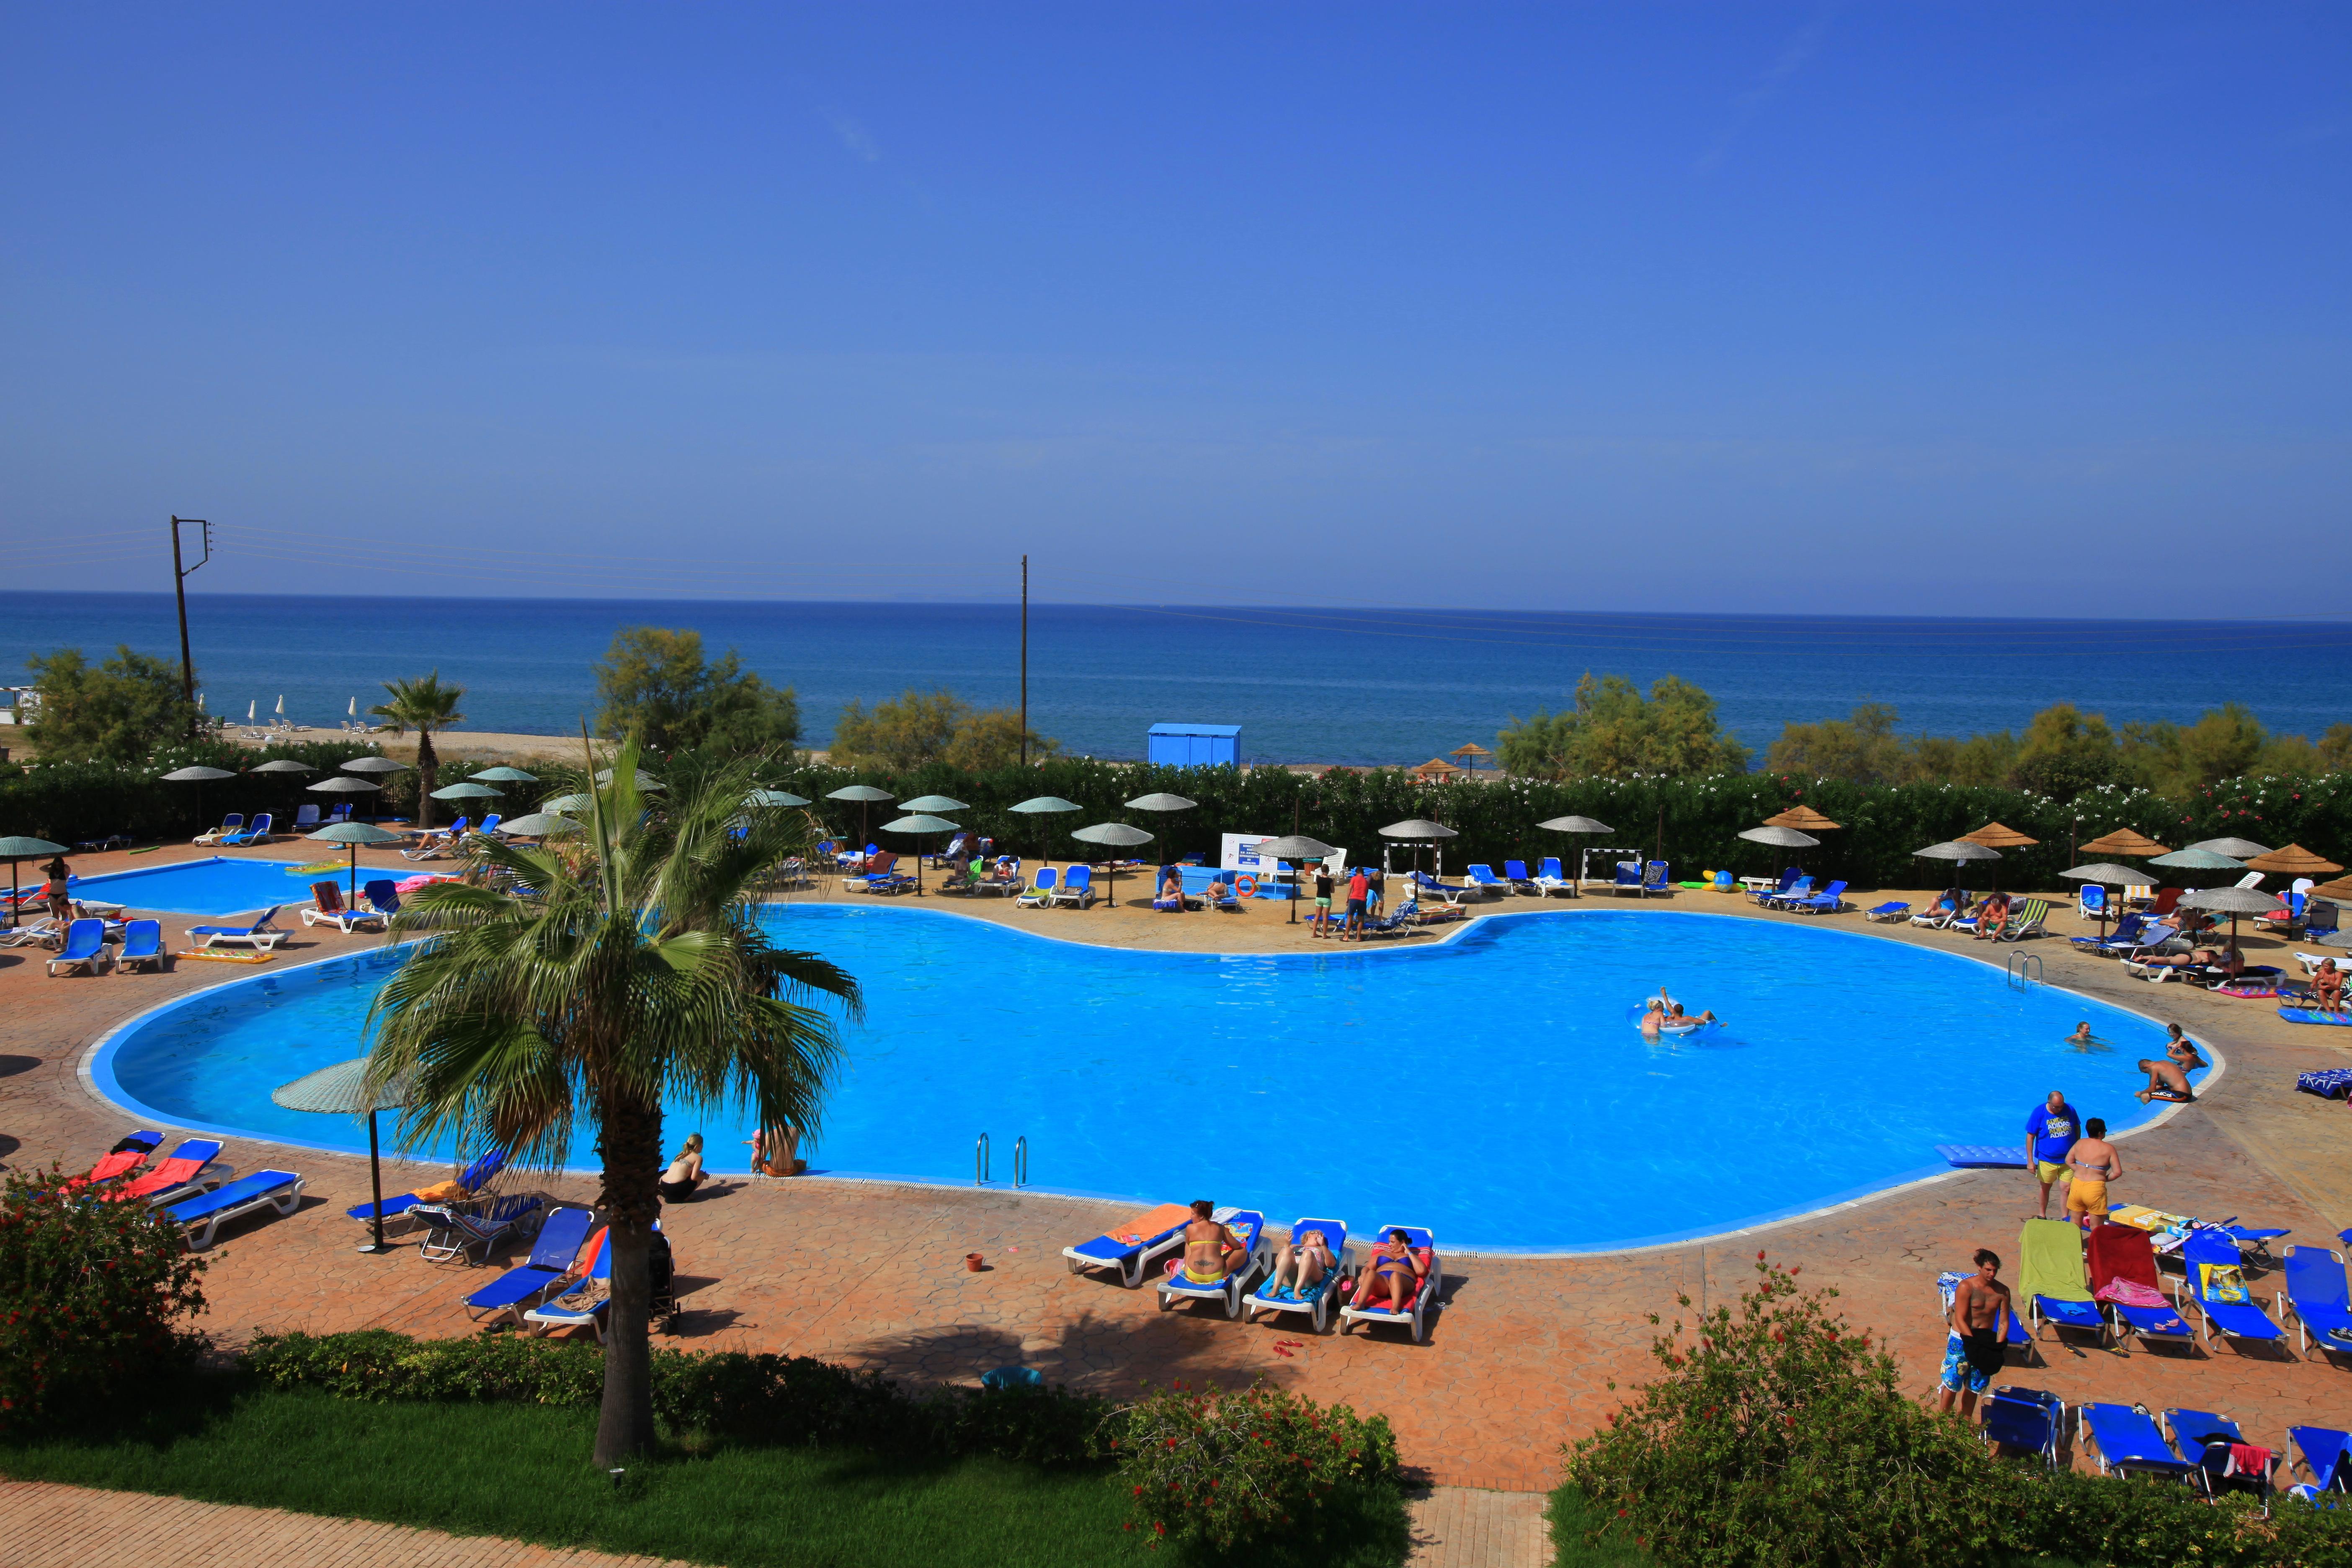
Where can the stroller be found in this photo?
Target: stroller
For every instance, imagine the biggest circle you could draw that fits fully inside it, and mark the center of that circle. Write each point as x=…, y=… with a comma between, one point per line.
x=661, y=1300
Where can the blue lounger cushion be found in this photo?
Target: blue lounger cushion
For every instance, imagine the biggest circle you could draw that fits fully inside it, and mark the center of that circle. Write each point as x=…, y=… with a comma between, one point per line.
x=1981, y=1156
x=558, y=1242
x=207, y=1212
x=2153, y=1322
x=2129, y=1439
x=2084, y=1315
x=2324, y=1450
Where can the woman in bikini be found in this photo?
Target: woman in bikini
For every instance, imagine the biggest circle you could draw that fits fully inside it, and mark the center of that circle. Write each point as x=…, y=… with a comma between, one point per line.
x=684, y=1173
x=1305, y=1260
x=1394, y=1270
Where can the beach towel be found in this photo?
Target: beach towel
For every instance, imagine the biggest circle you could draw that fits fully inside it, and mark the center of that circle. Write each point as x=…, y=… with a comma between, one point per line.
x=2223, y=1282
x=2328, y=1083
x=1151, y=1223
x=2130, y=1294
x=2051, y=1261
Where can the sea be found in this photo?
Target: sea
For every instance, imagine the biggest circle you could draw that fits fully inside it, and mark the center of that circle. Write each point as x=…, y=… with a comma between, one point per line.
x=1358, y=686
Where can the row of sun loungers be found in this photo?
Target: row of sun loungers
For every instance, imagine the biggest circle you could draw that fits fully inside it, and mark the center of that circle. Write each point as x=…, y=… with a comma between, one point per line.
x=190, y=1186
x=2199, y=1447
x=233, y=833
x=1129, y=1250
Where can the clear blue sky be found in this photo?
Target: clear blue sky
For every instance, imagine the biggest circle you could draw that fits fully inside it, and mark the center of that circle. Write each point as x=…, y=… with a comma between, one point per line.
x=1988, y=310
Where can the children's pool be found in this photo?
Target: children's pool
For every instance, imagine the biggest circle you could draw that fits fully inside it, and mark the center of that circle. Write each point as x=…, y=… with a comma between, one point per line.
x=217, y=885
x=1492, y=1088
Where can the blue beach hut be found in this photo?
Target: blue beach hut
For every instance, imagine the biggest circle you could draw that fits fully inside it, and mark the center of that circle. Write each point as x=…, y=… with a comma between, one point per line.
x=1194, y=745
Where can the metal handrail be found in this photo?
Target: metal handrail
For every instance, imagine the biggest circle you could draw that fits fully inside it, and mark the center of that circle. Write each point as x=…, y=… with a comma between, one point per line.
x=1021, y=1161
x=980, y=1161
x=2024, y=970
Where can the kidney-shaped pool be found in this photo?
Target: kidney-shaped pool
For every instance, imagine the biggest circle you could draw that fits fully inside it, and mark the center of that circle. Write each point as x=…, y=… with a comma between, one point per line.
x=1491, y=1088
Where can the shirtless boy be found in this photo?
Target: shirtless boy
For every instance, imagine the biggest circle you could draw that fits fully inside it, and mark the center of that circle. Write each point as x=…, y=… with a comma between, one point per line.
x=1973, y=1354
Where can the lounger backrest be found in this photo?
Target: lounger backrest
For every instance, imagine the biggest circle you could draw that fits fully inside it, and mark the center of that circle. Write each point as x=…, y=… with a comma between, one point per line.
x=2094, y=897
x=381, y=893
x=2120, y=1252
x=559, y=1238
x=308, y=817
x=1080, y=877
x=1045, y=878
x=2314, y=1277
x=472, y=1177
x=83, y=938
x=142, y=937
x=327, y=896
x=1334, y=1232
x=1835, y=890
x=1551, y=866
x=1517, y=870
x=234, y=819
x=491, y=823
x=261, y=922
x=2166, y=897
x=261, y=824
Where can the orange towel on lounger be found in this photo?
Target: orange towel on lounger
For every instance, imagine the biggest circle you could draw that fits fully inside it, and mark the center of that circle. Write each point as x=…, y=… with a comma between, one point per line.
x=1150, y=1223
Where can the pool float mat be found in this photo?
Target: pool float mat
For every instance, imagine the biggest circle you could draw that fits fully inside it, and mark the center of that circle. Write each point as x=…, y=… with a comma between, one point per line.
x=323, y=865
x=1981, y=1156
x=215, y=955
x=2312, y=1015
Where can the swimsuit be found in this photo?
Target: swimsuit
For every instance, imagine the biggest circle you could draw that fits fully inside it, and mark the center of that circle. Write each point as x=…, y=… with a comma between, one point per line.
x=1216, y=1279
x=2087, y=1195
x=1971, y=1360
x=2176, y=1096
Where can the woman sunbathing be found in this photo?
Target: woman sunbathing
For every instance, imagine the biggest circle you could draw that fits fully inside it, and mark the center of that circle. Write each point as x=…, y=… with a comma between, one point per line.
x=1305, y=1260
x=1394, y=1273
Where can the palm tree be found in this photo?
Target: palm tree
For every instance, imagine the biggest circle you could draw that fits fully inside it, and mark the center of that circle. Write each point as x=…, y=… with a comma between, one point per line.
x=423, y=706
x=575, y=986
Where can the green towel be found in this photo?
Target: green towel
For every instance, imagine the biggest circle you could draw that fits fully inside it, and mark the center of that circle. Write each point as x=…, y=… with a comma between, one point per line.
x=2050, y=1261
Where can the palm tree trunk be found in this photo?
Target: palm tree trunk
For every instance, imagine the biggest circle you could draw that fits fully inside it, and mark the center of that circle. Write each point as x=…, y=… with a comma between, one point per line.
x=429, y=775
x=633, y=1163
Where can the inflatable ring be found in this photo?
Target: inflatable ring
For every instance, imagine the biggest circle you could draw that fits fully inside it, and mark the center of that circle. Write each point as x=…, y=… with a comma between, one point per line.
x=1245, y=886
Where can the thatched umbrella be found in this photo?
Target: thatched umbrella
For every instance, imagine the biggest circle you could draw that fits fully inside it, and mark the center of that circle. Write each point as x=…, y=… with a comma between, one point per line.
x=2123, y=841
x=1801, y=817
x=2294, y=860
x=1995, y=835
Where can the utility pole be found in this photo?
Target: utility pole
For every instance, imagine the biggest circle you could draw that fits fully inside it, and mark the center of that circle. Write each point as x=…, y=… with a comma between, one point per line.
x=180, y=586
x=1024, y=661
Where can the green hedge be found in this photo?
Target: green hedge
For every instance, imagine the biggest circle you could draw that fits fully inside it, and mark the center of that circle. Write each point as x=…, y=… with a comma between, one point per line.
x=747, y=1398
x=1693, y=822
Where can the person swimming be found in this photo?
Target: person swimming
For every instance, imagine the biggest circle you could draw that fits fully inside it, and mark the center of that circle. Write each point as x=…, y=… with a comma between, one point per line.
x=1663, y=1012
x=2083, y=1040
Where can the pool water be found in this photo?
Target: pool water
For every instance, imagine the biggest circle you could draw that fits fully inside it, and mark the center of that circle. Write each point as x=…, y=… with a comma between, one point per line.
x=1494, y=1088
x=217, y=884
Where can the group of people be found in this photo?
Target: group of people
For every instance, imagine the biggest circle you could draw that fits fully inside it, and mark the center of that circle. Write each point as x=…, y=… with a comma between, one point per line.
x=775, y=1154
x=1662, y=1013
x=1365, y=886
x=1213, y=1253
x=2167, y=1077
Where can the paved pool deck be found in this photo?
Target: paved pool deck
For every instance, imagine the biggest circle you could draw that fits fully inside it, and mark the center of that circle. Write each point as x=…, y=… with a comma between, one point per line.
x=1523, y=1354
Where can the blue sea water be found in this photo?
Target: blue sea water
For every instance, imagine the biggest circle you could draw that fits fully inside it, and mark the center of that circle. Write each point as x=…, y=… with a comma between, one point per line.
x=1492, y=1088
x=1358, y=686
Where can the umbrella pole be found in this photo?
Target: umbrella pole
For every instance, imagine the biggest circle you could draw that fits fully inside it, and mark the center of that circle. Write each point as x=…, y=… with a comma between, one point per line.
x=353, y=896
x=376, y=1186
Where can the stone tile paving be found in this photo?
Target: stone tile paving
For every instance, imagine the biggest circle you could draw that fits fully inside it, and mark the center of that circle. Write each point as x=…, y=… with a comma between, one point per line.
x=1464, y=1527
x=1521, y=1358
x=49, y=1526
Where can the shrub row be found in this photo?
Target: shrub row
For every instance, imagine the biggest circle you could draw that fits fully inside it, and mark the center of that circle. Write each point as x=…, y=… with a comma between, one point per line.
x=788, y=1400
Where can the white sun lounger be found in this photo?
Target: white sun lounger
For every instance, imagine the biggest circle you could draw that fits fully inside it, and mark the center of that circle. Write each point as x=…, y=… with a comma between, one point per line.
x=1317, y=1302
x=206, y=1213
x=1249, y=1225
x=260, y=935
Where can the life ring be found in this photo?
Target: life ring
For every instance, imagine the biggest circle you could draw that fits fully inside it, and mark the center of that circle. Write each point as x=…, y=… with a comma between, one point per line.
x=1245, y=886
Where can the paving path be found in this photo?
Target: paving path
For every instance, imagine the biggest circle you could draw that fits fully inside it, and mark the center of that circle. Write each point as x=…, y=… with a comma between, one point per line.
x=46, y=1525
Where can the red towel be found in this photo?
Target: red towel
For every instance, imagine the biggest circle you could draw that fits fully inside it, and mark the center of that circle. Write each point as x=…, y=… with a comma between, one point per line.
x=2245, y=1459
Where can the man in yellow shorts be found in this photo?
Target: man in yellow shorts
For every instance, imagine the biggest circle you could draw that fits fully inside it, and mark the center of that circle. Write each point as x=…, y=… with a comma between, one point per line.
x=2049, y=1135
x=2093, y=1162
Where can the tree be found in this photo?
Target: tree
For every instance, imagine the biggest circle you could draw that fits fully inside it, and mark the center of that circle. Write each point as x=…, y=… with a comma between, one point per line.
x=118, y=713
x=582, y=982
x=1863, y=748
x=423, y=706
x=919, y=726
x=653, y=684
x=2064, y=751
x=1613, y=731
x=1982, y=758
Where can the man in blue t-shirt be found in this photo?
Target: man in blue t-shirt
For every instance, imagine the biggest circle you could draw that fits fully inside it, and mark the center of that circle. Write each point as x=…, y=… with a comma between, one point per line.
x=2050, y=1135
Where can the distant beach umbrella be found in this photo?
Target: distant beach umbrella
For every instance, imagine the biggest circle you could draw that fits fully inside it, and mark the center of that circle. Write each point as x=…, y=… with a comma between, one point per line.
x=567, y=802
x=17, y=847
x=343, y=783
x=1162, y=802
x=281, y=705
x=2123, y=841
x=198, y=776
x=1044, y=806
x=1299, y=848
x=1805, y=816
x=2236, y=848
x=2294, y=860
x=374, y=765
x=1993, y=836
x=342, y=1091
x=2195, y=859
x=2232, y=901
x=932, y=803
x=351, y=710
x=285, y=766
x=773, y=798
x=865, y=796
x=468, y=790
x=505, y=776
x=1782, y=838
x=1574, y=825
x=2339, y=890
x=352, y=834
x=646, y=781
x=537, y=825
x=920, y=825
x=1418, y=830
x=1958, y=851
x=253, y=711
x=1117, y=836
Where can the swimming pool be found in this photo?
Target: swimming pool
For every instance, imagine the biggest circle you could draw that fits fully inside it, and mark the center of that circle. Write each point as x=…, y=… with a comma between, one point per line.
x=217, y=884
x=1491, y=1088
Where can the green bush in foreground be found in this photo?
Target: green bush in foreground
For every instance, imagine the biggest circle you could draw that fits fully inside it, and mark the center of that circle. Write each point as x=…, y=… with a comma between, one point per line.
x=1779, y=1436
x=92, y=1298
x=1225, y=1470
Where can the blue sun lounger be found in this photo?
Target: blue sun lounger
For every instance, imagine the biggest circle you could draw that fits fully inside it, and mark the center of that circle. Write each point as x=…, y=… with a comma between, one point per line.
x=472, y=1178
x=1482, y=877
x=1514, y=872
x=142, y=943
x=1078, y=888
x=1415, y=1312
x=1830, y=901
x=537, y=1277
x=1249, y=1226
x=1316, y=1300
x=2324, y=1451
x=1629, y=878
x=1039, y=893
x=1129, y=1248
x=256, y=833
x=2124, y=937
x=1549, y=879
x=2316, y=1295
x=585, y=1304
x=2237, y=1320
x=2127, y=1440
x=2013, y=1333
x=468, y=1230
x=207, y=1212
x=1789, y=898
x=1788, y=880
x=2208, y=1436
x=2026, y=1419
x=1658, y=877
x=85, y=948
x=1892, y=913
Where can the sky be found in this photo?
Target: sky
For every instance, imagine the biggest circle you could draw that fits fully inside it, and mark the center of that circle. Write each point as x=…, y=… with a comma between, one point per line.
x=1982, y=310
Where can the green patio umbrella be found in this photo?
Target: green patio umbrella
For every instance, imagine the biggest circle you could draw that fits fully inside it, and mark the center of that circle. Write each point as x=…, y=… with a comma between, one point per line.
x=775, y=797
x=198, y=776
x=507, y=775
x=933, y=803
x=1115, y=835
x=1163, y=803
x=374, y=765
x=352, y=834
x=343, y=783
x=2238, y=848
x=646, y=781
x=285, y=766
x=537, y=825
x=342, y=1091
x=468, y=790
x=865, y=796
x=1294, y=847
x=918, y=823
x=17, y=847
x=565, y=803
x=1045, y=806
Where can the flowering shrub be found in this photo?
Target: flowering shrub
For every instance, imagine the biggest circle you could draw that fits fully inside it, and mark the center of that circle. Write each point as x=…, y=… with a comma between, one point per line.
x=92, y=1298
x=1210, y=1468
x=1778, y=1434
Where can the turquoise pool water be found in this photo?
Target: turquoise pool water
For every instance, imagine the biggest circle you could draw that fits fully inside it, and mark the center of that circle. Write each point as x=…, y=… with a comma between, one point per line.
x=1492, y=1088
x=218, y=885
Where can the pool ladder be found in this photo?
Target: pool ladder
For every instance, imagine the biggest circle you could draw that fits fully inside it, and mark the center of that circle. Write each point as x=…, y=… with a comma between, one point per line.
x=2025, y=971
x=1020, y=1162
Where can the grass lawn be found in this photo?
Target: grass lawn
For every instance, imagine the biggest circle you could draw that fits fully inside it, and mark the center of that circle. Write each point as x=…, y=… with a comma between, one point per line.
x=523, y=1472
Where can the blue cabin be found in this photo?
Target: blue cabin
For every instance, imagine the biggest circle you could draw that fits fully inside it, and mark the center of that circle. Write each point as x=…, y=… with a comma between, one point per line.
x=1194, y=745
